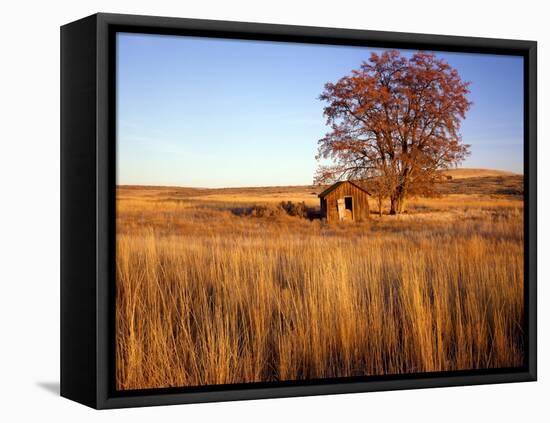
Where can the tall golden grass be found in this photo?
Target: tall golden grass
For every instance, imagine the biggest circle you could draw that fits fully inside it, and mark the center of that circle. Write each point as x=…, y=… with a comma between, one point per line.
x=205, y=296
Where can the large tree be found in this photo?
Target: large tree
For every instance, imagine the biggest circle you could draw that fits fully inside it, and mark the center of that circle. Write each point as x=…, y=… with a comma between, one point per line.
x=396, y=118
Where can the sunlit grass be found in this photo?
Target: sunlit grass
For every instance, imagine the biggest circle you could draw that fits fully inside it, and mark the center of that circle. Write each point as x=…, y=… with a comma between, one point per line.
x=208, y=296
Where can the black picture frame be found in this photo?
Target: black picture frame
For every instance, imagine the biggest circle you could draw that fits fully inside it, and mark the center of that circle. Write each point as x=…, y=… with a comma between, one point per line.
x=88, y=112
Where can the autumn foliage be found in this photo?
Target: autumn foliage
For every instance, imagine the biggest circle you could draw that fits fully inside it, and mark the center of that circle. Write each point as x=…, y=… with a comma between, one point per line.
x=396, y=120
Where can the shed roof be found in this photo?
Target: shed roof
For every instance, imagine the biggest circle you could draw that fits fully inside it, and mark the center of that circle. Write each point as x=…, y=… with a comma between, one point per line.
x=337, y=184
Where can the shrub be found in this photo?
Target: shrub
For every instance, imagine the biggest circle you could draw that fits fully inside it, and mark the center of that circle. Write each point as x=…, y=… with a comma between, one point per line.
x=295, y=209
x=266, y=210
x=285, y=208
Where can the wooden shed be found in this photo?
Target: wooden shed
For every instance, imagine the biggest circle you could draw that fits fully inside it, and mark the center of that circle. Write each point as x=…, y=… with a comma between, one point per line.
x=344, y=201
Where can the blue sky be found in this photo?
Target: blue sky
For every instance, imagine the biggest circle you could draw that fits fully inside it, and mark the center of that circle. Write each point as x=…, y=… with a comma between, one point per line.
x=203, y=112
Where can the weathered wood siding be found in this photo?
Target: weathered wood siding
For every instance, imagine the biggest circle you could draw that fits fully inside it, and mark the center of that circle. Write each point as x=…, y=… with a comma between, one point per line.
x=360, y=202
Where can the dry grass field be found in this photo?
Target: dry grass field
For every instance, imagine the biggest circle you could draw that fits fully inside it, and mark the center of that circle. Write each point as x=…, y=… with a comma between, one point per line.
x=218, y=286
x=464, y=173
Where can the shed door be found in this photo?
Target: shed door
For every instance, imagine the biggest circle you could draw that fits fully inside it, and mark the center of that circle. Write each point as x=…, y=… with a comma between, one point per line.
x=341, y=205
x=349, y=207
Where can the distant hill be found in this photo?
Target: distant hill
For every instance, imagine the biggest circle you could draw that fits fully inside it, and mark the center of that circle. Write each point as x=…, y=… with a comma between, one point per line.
x=463, y=173
x=462, y=181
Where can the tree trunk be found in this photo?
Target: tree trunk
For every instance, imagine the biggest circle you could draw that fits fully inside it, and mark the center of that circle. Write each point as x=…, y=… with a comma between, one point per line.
x=395, y=206
x=397, y=201
x=380, y=206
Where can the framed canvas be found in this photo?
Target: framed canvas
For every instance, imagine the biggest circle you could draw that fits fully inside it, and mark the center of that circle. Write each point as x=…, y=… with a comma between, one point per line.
x=258, y=211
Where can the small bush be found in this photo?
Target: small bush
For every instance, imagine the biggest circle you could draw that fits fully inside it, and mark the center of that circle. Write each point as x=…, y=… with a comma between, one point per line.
x=295, y=209
x=285, y=208
x=266, y=210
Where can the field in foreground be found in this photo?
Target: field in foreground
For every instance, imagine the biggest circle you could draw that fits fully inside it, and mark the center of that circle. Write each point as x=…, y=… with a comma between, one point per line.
x=209, y=292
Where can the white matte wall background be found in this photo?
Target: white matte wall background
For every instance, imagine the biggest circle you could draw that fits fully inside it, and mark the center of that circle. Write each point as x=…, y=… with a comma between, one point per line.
x=29, y=210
